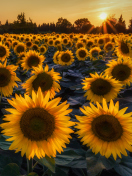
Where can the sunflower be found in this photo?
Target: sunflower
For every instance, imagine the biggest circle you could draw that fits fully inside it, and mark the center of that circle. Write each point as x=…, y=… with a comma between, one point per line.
x=121, y=70
x=109, y=46
x=65, y=57
x=8, y=44
x=32, y=59
x=106, y=130
x=20, y=47
x=89, y=43
x=70, y=43
x=59, y=47
x=50, y=42
x=123, y=49
x=7, y=79
x=47, y=80
x=57, y=42
x=4, y=52
x=101, y=41
x=80, y=44
x=29, y=44
x=37, y=126
x=82, y=54
x=14, y=43
x=35, y=47
x=100, y=86
x=55, y=57
x=94, y=53
x=42, y=49
x=65, y=41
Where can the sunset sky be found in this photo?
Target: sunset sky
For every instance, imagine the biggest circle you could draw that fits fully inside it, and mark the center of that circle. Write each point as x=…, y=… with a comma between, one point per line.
x=46, y=11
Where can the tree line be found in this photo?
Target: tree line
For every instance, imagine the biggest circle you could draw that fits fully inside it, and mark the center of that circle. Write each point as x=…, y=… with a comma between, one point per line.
x=82, y=25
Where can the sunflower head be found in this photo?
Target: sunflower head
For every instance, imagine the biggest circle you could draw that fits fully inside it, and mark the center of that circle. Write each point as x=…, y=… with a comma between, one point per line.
x=104, y=129
x=80, y=44
x=82, y=53
x=55, y=57
x=100, y=86
x=94, y=53
x=65, y=41
x=121, y=70
x=65, y=58
x=39, y=124
x=89, y=44
x=50, y=42
x=20, y=47
x=29, y=44
x=109, y=46
x=7, y=79
x=32, y=59
x=4, y=52
x=123, y=49
x=35, y=47
x=42, y=49
x=46, y=80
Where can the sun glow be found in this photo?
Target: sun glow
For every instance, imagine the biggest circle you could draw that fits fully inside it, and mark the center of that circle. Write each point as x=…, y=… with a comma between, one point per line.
x=103, y=16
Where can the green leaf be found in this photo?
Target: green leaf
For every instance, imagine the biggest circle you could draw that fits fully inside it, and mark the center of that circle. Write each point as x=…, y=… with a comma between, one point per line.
x=7, y=157
x=11, y=169
x=71, y=158
x=32, y=174
x=48, y=162
x=96, y=163
x=123, y=170
x=4, y=144
x=125, y=166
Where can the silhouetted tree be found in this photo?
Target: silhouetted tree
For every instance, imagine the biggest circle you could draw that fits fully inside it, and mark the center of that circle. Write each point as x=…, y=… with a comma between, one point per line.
x=21, y=18
x=82, y=23
x=63, y=25
x=121, y=25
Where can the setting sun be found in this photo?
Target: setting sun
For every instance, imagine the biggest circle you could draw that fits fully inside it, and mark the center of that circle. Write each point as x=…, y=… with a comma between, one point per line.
x=103, y=16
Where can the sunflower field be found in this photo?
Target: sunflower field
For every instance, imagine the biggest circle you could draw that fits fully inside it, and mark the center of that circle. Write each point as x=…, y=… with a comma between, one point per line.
x=66, y=104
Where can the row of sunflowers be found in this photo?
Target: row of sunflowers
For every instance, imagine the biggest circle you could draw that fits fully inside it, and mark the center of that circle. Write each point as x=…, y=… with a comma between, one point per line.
x=43, y=75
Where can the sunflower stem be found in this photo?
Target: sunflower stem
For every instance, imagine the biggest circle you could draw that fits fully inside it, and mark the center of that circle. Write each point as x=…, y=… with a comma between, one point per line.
x=45, y=172
x=34, y=165
x=29, y=165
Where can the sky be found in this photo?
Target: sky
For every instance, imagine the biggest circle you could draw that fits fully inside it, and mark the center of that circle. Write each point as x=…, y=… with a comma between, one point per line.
x=46, y=11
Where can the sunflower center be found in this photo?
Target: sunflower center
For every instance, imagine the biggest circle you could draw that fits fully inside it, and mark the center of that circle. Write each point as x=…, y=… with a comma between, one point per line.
x=51, y=42
x=100, y=87
x=65, y=40
x=5, y=77
x=89, y=44
x=37, y=124
x=65, y=57
x=2, y=51
x=94, y=53
x=124, y=48
x=82, y=53
x=107, y=128
x=20, y=49
x=121, y=72
x=79, y=45
x=109, y=47
x=44, y=81
x=29, y=44
x=101, y=41
x=42, y=49
x=33, y=61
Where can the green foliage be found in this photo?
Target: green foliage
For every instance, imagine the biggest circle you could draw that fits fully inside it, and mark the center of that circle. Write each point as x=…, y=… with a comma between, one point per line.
x=11, y=169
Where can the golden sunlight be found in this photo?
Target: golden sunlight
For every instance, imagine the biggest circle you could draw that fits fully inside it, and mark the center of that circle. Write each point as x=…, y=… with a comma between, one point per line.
x=103, y=16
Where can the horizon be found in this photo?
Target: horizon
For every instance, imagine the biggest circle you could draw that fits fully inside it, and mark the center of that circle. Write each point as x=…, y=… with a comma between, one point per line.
x=38, y=10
